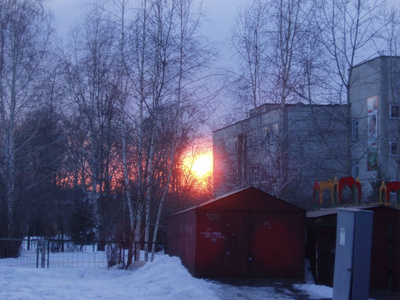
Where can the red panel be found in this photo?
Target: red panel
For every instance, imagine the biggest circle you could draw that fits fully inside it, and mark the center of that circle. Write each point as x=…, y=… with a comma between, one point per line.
x=385, y=255
x=216, y=239
x=380, y=256
x=277, y=245
x=385, y=262
x=321, y=244
x=222, y=244
x=181, y=236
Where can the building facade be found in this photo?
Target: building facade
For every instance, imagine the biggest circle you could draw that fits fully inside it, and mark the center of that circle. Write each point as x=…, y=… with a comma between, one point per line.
x=282, y=150
x=375, y=121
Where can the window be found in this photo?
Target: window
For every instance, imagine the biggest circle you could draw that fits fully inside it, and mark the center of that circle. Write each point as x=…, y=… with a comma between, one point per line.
x=354, y=168
x=393, y=149
x=220, y=148
x=354, y=131
x=264, y=173
x=230, y=145
x=254, y=174
x=267, y=135
x=233, y=178
x=271, y=134
x=392, y=192
x=252, y=140
x=394, y=111
x=275, y=133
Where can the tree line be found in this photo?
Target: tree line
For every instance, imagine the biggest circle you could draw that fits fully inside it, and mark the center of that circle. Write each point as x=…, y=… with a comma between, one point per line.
x=93, y=133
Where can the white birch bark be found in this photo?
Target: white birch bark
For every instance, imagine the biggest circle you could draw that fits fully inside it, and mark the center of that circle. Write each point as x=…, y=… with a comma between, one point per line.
x=141, y=49
x=24, y=37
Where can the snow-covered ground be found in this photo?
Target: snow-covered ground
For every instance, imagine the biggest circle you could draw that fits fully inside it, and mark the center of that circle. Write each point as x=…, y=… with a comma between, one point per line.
x=165, y=278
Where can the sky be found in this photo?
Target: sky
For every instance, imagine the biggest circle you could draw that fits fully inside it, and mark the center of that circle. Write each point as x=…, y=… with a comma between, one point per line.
x=219, y=18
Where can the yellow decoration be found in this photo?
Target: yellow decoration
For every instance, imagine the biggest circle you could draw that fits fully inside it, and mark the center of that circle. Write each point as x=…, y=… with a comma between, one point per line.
x=330, y=184
x=382, y=190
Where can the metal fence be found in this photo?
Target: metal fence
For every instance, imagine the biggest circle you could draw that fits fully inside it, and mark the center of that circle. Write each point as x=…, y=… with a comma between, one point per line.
x=51, y=253
x=18, y=252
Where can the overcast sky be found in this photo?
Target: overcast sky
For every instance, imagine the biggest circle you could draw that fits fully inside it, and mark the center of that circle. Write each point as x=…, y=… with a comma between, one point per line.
x=219, y=18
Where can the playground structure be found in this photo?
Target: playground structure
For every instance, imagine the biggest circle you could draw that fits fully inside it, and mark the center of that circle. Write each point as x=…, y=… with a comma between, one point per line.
x=386, y=189
x=336, y=188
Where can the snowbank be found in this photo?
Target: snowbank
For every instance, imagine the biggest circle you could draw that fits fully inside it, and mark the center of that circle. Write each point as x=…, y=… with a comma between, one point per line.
x=165, y=278
x=315, y=291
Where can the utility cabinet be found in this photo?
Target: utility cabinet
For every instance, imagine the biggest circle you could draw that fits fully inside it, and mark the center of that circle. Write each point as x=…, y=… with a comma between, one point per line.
x=353, y=254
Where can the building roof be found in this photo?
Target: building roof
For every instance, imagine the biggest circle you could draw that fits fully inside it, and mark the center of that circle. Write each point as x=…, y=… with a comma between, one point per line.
x=268, y=107
x=217, y=200
x=334, y=210
x=375, y=58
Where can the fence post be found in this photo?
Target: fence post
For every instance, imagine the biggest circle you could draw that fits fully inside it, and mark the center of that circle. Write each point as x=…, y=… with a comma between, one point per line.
x=37, y=255
x=48, y=253
x=137, y=251
x=43, y=254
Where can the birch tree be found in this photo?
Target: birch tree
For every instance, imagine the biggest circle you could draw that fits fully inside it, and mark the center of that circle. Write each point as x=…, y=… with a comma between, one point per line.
x=277, y=63
x=250, y=42
x=25, y=32
x=160, y=98
x=190, y=60
x=348, y=30
x=123, y=84
x=269, y=41
x=90, y=77
x=163, y=66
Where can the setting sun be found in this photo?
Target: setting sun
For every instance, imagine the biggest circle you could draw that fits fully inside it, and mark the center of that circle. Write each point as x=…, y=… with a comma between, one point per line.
x=202, y=165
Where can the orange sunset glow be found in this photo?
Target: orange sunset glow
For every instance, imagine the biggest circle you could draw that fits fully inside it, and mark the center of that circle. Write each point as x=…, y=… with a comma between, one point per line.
x=199, y=165
x=202, y=165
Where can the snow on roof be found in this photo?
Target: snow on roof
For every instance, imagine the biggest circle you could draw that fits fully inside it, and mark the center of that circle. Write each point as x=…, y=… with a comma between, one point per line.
x=212, y=200
x=333, y=210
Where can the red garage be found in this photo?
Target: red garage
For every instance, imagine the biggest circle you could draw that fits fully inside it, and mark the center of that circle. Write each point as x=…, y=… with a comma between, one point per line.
x=248, y=233
x=385, y=255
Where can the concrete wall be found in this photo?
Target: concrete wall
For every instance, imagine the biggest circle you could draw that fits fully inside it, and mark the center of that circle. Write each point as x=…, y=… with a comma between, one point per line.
x=311, y=140
x=281, y=150
x=377, y=77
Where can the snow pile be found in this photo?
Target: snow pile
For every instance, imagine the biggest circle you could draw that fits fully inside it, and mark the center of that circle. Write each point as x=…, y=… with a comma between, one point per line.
x=228, y=292
x=315, y=291
x=165, y=278
x=308, y=276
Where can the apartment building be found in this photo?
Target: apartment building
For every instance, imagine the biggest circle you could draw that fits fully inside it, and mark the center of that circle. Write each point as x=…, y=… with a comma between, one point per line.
x=375, y=120
x=282, y=150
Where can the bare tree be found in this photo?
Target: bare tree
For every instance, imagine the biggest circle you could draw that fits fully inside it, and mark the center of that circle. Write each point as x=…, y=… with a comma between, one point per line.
x=387, y=41
x=25, y=30
x=251, y=44
x=280, y=55
x=163, y=67
x=348, y=30
x=270, y=40
x=90, y=77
